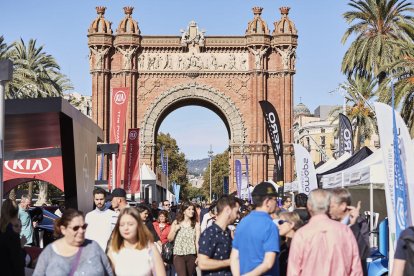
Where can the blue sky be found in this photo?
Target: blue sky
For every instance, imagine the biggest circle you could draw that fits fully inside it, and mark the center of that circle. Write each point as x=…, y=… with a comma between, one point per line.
x=61, y=26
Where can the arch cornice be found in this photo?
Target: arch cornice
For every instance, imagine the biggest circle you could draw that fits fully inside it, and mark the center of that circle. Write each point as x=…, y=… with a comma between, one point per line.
x=193, y=91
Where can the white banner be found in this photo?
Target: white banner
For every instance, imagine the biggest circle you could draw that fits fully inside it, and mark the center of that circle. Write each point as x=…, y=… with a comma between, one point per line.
x=384, y=118
x=305, y=170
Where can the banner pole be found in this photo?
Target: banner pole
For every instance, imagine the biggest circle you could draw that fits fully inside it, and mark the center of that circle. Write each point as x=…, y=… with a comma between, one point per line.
x=113, y=171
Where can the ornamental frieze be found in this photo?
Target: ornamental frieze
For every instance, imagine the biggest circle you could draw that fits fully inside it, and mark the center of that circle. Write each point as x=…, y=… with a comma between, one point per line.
x=166, y=62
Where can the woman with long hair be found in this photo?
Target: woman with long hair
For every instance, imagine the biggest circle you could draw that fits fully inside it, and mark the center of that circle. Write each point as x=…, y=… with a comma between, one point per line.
x=185, y=232
x=288, y=224
x=132, y=250
x=162, y=226
x=72, y=253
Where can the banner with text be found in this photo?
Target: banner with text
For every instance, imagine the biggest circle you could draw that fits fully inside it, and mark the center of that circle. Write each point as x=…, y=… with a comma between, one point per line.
x=119, y=106
x=398, y=194
x=345, y=136
x=238, y=174
x=305, y=170
x=275, y=133
x=131, y=173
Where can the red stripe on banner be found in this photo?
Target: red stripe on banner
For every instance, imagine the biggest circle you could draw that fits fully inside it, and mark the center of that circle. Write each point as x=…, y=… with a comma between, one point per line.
x=131, y=174
x=119, y=104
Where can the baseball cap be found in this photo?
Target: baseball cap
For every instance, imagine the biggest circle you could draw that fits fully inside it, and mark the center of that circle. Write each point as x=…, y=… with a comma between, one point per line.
x=118, y=192
x=264, y=189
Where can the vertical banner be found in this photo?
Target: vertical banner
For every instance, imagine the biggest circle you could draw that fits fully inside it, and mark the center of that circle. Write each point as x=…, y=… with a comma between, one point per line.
x=119, y=105
x=275, y=134
x=345, y=136
x=225, y=185
x=305, y=170
x=247, y=178
x=131, y=173
x=163, y=163
x=396, y=173
x=238, y=169
x=176, y=188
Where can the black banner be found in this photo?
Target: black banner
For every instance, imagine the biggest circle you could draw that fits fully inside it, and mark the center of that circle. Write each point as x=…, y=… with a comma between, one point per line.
x=345, y=136
x=275, y=133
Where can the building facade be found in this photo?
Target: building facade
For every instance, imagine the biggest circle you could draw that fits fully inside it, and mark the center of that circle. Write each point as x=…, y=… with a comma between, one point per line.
x=227, y=74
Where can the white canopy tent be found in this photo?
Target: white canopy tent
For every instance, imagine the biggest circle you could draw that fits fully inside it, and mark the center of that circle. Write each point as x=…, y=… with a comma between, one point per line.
x=368, y=171
x=332, y=163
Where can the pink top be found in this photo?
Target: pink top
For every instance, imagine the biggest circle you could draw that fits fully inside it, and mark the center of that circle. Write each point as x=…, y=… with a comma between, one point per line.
x=324, y=247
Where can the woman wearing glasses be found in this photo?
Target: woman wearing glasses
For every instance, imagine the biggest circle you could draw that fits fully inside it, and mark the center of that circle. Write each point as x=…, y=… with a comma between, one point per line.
x=288, y=224
x=72, y=253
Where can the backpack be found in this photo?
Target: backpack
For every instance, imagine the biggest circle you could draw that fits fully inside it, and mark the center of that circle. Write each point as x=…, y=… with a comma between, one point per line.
x=408, y=239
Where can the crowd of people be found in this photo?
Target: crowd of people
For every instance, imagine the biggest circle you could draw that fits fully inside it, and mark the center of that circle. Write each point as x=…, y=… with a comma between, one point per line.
x=319, y=234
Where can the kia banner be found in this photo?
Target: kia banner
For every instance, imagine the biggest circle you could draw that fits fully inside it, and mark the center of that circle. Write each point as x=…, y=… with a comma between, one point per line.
x=131, y=173
x=305, y=170
x=46, y=169
x=275, y=133
x=345, y=136
x=238, y=174
x=119, y=106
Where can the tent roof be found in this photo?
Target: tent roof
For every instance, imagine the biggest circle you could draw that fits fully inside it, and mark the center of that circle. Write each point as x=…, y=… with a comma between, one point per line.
x=147, y=173
x=356, y=158
x=332, y=163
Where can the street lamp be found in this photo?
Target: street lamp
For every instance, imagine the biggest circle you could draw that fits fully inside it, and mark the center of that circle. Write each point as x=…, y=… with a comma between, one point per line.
x=210, y=155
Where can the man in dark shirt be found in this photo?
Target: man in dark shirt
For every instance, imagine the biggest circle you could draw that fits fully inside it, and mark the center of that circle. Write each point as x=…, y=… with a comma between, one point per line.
x=215, y=242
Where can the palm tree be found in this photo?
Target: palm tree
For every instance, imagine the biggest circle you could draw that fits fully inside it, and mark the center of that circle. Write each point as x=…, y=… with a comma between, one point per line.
x=3, y=48
x=376, y=25
x=36, y=74
x=359, y=92
x=403, y=71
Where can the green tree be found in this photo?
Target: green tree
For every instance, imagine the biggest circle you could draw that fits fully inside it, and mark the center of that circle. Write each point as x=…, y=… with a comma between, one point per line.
x=36, y=74
x=359, y=92
x=177, y=165
x=219, y=169
x=377, y=24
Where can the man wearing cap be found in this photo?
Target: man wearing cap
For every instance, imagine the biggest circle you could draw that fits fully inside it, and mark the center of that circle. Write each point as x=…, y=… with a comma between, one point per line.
x=118, y=203
x=99, y=220
x=256, y=241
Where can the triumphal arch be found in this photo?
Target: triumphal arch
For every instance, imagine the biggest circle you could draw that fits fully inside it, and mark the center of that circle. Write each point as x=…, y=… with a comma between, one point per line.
x=227, y=74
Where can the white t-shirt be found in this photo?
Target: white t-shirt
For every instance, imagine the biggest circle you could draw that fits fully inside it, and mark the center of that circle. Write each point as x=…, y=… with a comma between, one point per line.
x=129, y=261
x=99, y=226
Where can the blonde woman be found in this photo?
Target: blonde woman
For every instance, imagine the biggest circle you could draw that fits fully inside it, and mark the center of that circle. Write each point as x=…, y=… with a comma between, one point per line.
x=185, y=232
x=288, y=224
x=132, y=250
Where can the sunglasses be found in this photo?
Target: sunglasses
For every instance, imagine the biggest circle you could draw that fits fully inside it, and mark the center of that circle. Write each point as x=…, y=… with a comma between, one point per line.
x=166, y=204
x=281, y=221
x=77, y=227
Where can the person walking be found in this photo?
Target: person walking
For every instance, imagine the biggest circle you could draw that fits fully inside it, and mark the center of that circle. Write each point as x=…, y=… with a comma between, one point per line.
x=167, y=207
x=323, y=246
x=132, y=250
x=27, y=224
x=185, y=232
x=72, y=254
x=300, y=207
x=144, y=214
x=215, y=242
x=118, y=203
x=256, y=241
x=340, y=209
x=286, y=204
x=288, y=223
x=404, y=254
x=162, y=226
x=99, y=220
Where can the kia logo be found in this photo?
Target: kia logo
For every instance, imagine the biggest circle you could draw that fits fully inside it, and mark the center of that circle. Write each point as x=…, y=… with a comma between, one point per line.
x=119, y=97
x=133, y=135
x=29, y=166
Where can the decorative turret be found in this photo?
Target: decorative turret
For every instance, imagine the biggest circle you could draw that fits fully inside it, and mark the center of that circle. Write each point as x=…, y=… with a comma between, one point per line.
x=128, y=25
x=99, y=41
x=127, y=40
x=285, y=40
x=100, y=25
x=257, y=25
x=285, y=25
